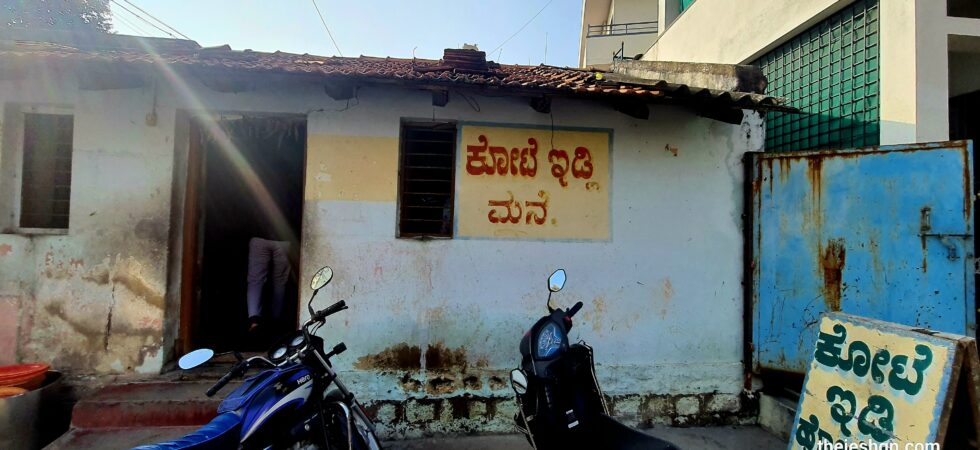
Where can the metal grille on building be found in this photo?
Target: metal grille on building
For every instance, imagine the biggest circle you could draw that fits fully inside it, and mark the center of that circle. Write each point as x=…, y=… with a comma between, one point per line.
x=830, y=72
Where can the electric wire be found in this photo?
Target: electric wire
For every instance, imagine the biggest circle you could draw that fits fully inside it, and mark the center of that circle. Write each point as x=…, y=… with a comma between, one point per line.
x=143, y=19
x=325, y=27
x=132, y=26
x=158, y=20
x=535, y=16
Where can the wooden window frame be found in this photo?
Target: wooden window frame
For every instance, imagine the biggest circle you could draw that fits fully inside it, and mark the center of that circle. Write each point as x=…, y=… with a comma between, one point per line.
x=444, y=124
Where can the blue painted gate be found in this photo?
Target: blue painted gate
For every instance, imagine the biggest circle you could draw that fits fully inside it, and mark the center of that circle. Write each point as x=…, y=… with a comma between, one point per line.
x=883, y=232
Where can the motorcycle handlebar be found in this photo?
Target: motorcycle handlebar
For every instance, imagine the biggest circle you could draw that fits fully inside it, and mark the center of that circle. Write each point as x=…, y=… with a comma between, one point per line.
x=330, y=310
x=235, y=371
x=571, y=312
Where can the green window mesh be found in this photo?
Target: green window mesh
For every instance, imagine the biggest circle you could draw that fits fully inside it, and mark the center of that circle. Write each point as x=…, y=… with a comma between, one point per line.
x=830, y=72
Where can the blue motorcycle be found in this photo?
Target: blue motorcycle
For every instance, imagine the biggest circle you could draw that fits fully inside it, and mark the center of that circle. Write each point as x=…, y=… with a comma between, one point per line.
x=289, y=404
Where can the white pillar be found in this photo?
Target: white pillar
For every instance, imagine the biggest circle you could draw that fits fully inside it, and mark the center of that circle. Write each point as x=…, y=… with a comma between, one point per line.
x=897, y=71
x=932, y=74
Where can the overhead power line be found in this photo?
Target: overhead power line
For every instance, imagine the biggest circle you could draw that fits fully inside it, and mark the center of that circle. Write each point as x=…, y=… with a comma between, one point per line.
x=143, y=19
x=535, y=16
x=132, y=26
x=158, y=20
x=325, y=27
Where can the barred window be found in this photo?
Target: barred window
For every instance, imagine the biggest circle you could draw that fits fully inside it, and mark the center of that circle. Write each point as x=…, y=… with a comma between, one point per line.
x=46, y=174
x=426, y=179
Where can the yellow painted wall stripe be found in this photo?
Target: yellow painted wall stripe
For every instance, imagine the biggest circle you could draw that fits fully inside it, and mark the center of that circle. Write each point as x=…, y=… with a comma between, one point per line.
x=352, y=168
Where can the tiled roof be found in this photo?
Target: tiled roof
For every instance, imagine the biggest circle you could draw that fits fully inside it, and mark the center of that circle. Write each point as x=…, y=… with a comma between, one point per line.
x=525, y=79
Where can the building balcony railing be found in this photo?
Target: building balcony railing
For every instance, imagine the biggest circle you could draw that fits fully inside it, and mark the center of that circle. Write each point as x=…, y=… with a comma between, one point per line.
x=622, y=29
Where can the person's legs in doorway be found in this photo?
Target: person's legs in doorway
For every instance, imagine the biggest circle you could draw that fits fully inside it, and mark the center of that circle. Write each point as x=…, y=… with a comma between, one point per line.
x=259, y=258
x=280, y=276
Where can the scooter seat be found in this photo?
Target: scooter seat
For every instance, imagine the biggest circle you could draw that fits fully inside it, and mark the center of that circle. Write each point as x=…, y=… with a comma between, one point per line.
x=221, y=432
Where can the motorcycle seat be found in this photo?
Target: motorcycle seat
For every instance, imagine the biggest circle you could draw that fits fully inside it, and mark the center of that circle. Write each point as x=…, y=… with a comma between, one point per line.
x=224, y=431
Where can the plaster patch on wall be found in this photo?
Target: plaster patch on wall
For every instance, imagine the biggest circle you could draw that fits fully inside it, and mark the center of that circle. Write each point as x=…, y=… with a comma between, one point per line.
x=152, y=361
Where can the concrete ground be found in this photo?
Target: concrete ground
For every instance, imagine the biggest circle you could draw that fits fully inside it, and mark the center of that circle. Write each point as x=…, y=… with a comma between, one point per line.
x=734, y=438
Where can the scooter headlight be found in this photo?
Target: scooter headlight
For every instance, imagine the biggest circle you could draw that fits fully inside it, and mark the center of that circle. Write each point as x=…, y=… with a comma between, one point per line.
x=518, y=381
x=549, y=340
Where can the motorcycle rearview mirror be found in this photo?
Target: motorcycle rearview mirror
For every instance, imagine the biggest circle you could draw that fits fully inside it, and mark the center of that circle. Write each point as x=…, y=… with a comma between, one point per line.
x=321, y=278
x=556, y=281
x=195, y=358
x=518, y=381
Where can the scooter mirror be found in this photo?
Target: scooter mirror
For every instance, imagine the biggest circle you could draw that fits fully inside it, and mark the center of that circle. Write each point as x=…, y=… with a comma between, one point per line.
x=556, y=281
x=321, y=278
x=195, y=358
x=518, y=381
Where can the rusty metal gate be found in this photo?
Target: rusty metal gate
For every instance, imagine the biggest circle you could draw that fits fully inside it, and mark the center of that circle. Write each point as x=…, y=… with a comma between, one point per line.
x=882, y=232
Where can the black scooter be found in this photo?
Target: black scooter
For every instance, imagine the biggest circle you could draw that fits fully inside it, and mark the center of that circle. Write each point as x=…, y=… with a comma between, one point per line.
x=560, y=403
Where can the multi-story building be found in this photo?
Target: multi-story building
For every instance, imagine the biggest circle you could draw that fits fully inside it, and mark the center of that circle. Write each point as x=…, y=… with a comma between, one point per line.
x=864, y=72
x=616, y=28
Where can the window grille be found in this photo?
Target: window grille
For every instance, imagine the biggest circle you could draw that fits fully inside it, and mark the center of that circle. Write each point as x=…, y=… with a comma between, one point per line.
x=426, y=180
x=46, y=174
x=831, y=73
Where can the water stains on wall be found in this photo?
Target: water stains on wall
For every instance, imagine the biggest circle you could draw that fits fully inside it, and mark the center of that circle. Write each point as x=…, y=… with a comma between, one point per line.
x=100, y=319
x=399, y=357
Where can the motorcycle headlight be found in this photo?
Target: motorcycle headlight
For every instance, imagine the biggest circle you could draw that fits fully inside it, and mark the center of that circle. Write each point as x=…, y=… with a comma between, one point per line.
x=549, y=340
x=278, y=353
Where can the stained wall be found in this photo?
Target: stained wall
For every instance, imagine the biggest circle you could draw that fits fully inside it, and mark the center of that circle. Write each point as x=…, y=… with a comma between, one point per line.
x=433, y=325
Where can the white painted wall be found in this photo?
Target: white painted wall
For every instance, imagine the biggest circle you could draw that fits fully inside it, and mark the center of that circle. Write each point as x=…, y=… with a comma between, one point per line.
x=898, y=71
x=628, y=11
x=599, y=50
x=675, y=223
x=915, y=69
x=92, y=300
x=58, y=292
x=594, y=12
x=734, y=32
x=663, y=298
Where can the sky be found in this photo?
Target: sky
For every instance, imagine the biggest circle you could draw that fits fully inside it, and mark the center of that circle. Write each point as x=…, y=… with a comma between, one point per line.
x=371, y=27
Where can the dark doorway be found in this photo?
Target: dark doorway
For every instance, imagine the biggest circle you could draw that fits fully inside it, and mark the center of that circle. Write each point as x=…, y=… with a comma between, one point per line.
x=964, y=124
x=251, y=186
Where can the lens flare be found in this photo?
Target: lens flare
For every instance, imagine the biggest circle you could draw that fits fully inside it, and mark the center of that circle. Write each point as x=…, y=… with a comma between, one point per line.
x=225, y=144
